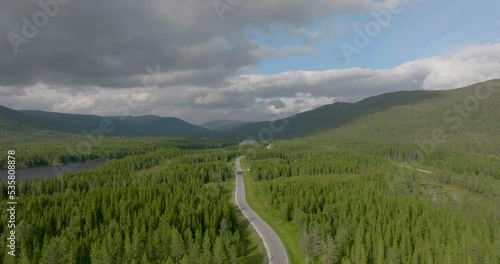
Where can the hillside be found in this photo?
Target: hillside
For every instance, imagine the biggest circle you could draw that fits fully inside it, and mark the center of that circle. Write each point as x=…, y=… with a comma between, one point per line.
x=407, y=126
x=326, y=193
x=12, y=120
x=396, y=114
x=223, y=125
x=333, y=205
x=405, y=165
x=144, y=126
x=399, y=116
x=454, y=112
x=334, y=115
x=448, y=131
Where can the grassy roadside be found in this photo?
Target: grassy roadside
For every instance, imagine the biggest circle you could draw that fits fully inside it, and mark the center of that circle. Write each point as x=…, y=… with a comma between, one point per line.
x=286, y=231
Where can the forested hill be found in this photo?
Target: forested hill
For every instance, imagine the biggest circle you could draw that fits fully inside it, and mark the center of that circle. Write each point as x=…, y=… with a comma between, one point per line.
x=12, y=120
x=456, y=130
x=333, y=115
x=150, y=126
x=422, y=111
x=399, y=114
x=223, y=125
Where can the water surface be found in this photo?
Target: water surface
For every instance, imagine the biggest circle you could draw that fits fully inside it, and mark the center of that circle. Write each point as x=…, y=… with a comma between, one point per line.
x=50, y=171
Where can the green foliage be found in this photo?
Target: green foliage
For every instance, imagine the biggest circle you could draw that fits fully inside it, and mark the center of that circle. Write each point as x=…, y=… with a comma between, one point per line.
x=122, y=213
x=143, y=126
x=80, y=149
x=355, y=208
x=447, y=131
x=454, y=130
x=340, y=189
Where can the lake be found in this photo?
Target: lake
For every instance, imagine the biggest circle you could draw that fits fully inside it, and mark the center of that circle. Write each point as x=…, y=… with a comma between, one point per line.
x=50, y=171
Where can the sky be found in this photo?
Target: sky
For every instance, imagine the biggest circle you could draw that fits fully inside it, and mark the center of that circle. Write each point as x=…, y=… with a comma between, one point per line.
x=243, y=60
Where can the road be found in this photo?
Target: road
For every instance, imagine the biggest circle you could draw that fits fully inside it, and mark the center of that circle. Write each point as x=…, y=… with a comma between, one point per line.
x=276, y=252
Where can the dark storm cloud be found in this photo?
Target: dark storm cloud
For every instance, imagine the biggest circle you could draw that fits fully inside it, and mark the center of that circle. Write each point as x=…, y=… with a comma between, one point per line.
x=107, y=43
x=110, y=43
x=93, y=54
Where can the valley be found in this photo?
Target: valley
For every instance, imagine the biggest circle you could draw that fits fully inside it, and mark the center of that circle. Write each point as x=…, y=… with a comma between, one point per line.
x=250, y=132
x=384, y=180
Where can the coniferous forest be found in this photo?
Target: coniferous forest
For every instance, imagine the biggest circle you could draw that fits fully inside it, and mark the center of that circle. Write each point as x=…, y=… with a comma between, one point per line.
x=346, y=207
x=250, y=132
x=167, y=206
x=364, y=192
x=174, y=205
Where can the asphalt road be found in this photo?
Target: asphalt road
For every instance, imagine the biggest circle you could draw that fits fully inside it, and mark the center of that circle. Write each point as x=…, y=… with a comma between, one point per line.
x=276, y=252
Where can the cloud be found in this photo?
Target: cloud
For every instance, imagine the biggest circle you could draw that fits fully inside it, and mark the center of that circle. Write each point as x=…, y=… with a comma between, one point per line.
x=277, y=104
x=305, y=35
x=111, y=43
x=211, y=100
x=470, y=65
x=300, y=103
x=176, y=58
x=254, y=97
x=79, y=103
x=286, y=51
x=11, y=91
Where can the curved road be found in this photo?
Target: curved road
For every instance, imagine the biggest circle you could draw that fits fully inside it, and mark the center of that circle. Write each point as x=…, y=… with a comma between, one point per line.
x=276, y=253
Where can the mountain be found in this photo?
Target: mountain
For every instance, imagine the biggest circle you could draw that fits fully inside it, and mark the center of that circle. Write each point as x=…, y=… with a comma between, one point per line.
x=422, y=109
x=143, y=126
x=330, y=116
x=17, y=128
x=223, y=125
x=386, y=117
x=12, y=120
x=455, y=130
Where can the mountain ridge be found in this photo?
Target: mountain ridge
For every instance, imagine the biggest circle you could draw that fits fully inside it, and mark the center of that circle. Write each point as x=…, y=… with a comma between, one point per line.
x=141, y=126
x=324, y=118
x=223, y=125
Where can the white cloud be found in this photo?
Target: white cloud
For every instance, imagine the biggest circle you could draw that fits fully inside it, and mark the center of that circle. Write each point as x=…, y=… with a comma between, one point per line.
x=11, y=91
x=254, y=97
x=291, y=105
x=78, y=103
x=470, y=65
x=111, y=46
x=211, y=99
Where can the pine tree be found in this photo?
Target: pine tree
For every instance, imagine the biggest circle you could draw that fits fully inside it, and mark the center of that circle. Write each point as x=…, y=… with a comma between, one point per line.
x=177, y=246
x=207, y=253
x=219, y=253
